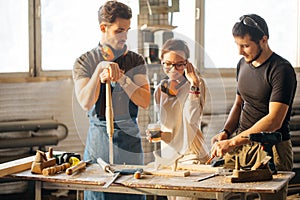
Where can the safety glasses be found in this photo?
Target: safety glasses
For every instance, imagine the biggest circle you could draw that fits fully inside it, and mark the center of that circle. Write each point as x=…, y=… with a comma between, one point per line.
x=248, y=21
x=168, y=66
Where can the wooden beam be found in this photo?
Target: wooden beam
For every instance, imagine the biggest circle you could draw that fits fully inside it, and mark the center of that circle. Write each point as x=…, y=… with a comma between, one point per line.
x=16, y=166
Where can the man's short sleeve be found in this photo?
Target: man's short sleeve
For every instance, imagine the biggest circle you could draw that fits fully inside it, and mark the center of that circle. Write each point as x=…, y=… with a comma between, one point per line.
x=284, y=84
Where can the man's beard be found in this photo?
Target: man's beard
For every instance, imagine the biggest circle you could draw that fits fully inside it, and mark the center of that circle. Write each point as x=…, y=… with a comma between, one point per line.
x=257, y=55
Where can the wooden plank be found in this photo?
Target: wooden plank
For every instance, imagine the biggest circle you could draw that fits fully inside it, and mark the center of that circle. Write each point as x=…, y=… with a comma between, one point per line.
x=167, y=172
x=190, y=167
x=23, y=164
x=16, y=166
x=150, y=170
x=198, y=167
x=183, y=170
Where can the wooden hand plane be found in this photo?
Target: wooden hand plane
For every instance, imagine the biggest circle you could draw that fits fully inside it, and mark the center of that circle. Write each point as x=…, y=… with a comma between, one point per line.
x=259, y=172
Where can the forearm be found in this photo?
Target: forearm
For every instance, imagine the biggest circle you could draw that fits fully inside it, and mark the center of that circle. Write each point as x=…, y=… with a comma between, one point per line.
x=232, y=121
x=192, y=111
x=265, y=124
x=87, y=90
x=140, y=95
x=195, y=101
x=269, y=123
x=242, y=138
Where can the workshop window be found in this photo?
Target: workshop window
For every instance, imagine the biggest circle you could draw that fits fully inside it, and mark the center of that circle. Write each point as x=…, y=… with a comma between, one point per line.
x=69, y=29
x=41, y=37
x=282, y=18
x=14, y=48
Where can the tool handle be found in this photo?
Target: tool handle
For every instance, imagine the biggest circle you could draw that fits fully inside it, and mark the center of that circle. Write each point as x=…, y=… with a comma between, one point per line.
x=109, y=120
x=109, y=111
x=129, y=171
x=50, y=154
x=105, y=166
x=54, y=169
x=80, y=165
x=209, y=160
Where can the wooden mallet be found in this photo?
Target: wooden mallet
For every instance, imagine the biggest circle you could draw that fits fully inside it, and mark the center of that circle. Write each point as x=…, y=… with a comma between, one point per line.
x=109, y=121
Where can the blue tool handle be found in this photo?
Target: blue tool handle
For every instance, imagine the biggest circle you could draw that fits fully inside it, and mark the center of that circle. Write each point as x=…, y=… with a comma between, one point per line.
x=128, y=171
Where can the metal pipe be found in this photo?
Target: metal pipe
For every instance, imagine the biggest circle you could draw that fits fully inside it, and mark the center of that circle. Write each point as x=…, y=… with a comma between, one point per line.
x=28, y=125
x=28, y=142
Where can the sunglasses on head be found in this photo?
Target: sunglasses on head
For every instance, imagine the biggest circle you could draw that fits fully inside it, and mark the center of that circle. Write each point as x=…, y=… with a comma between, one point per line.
x=248, y=21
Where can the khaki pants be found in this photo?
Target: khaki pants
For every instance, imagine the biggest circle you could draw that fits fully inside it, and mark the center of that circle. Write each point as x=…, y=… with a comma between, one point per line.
x=249, y=154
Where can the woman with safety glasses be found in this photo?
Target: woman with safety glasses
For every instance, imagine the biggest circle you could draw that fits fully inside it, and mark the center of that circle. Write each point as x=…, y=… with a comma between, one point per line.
x=180, y=100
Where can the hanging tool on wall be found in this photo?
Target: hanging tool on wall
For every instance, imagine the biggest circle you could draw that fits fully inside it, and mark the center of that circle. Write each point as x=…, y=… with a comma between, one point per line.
x=109, y=121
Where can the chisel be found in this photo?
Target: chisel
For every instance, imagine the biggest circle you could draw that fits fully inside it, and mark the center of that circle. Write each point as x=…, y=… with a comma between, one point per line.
x=115, y=176
x=116, y=173
x=221, y=171
x=136, y=172
x=207, y=177
x=107, y=168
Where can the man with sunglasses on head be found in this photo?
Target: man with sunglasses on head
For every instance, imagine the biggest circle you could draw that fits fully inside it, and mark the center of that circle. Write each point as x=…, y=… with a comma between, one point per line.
x=126, y=71
x=266, y=85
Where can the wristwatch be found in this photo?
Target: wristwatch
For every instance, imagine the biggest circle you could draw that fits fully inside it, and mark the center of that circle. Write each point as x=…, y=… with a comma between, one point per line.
x=226, y=131
x=125, y=81
x=194, y=89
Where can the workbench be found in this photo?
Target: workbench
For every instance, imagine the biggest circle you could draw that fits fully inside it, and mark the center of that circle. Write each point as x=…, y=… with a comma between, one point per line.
x=93, y=178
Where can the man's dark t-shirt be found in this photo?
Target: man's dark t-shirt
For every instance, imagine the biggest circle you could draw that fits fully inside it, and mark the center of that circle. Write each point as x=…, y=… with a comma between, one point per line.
x=132, y=64
x=273, y=81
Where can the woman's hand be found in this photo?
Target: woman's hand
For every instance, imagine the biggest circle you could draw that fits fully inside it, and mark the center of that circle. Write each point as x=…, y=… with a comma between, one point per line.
x=162, y=136
x=153, y=136
x=191, y=74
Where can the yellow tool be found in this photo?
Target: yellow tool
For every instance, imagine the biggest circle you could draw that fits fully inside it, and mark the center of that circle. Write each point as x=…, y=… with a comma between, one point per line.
x=73, y=161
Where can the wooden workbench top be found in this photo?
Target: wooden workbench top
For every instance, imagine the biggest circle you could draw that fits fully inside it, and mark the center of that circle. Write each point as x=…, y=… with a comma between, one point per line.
x=93, y=177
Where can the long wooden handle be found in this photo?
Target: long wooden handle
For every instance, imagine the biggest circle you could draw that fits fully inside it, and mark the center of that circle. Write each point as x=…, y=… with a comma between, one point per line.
x=109, y=121
x=109, y=111
x=54, y=169
x=80, y=165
